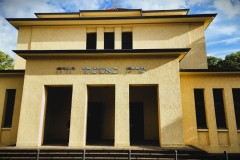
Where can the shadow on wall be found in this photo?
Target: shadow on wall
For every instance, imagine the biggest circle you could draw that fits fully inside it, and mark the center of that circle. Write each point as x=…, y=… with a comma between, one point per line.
x=196, y=58
x=170, y=134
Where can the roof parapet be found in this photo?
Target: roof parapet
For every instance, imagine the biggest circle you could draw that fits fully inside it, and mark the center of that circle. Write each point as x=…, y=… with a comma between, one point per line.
x=114, y=12
x=170, y=52
x=206, y=19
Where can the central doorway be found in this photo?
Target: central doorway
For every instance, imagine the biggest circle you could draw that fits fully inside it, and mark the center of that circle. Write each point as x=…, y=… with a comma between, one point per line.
x=57, y=117
x=101, y=115
x=95, y=122
x=144, y=126
x=136, y=123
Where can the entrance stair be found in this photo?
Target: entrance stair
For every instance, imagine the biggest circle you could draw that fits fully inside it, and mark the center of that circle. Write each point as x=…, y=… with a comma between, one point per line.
x=111, y=154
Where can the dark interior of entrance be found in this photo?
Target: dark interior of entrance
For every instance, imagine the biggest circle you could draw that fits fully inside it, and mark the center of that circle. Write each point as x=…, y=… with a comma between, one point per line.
x=144, y=128
x=100, y=119
x=57, y=117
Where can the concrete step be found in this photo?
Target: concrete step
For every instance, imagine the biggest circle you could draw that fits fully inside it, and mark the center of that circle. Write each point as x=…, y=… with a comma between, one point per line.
x=104, y=154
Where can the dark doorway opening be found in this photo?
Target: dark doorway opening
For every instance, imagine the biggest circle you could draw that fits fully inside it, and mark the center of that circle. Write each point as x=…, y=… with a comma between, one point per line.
x=95, y=122
x=101, y=115
x=136, y=123
x=57, y=117
x=144, y=126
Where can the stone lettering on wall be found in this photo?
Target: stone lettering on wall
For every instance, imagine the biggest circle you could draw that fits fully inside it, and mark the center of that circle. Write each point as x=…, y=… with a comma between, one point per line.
x=102, y=70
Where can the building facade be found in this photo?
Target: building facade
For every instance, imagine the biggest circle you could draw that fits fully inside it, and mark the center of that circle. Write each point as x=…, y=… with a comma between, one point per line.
x=120, y=78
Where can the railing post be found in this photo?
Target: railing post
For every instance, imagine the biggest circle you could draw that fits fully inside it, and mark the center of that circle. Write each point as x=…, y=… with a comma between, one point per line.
x=226, y=155
x=129, y=154
x=37, y=157
x=176, y=155
x=84, y=152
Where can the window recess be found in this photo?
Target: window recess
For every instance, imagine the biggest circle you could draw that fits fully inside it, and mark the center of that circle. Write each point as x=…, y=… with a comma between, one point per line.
x=8, y=108
x=219, y=108
x=127, y=40
x=200, y=108
x=91, y=41
x=109, y=40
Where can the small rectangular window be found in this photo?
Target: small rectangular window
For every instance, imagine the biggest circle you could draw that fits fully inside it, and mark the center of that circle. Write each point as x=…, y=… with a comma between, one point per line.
x=109, y=40
x=200, y=108
x=8, y=108
x=91, y=41
x=127, y=40
x=219, y=108
x=236, y=100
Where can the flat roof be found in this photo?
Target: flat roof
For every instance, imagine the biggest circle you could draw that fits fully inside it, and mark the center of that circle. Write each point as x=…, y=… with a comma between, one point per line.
x=11, y=72
x=167, y=10
x=200, y=18
x=112, y=10
x=177, y=52
x=209, y=71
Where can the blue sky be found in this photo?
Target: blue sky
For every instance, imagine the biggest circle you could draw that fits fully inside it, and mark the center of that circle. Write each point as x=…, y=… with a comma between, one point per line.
x=222, y=36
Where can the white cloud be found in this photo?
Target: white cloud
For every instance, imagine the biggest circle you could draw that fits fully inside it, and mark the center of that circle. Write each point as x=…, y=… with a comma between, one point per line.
x=217, y=30
x=228, y=7
x=227, y=30
x=195, y=2
x=222, y=53
x=26, y=8
x=155, y=4
x=76, y=5
x=8, y=37
x=226, y=41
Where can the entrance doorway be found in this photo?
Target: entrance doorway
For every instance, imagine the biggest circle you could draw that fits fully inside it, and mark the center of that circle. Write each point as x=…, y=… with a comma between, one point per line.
x=95, y=122
x=144, y=127
x=136, y=122
x=101, y=115
x=57, y=117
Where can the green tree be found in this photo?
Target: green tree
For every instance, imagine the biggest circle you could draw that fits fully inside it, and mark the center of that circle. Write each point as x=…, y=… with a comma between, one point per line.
x=228, y=64
x=6, y=62
x=231, y=61
x=213, y=62
x=235, y=57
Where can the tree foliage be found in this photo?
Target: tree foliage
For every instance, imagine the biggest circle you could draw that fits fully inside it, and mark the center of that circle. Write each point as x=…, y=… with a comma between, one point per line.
x=6, y=62
x=231, y=61
x=213, y=62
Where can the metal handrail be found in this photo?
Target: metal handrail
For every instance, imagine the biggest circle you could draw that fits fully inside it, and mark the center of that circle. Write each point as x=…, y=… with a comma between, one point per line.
x=129, y=154
x=176, y=155
x=38, y=152
x=84, y=152
x=226, y=155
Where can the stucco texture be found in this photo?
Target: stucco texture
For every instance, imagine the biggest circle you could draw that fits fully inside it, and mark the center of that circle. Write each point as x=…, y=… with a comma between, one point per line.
x=211, y=139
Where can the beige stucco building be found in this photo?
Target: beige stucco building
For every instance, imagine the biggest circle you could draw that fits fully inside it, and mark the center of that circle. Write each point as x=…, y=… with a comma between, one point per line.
x=120, y=78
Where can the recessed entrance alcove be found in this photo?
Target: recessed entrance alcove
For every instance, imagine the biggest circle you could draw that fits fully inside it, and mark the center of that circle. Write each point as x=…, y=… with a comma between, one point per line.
x=57, y=115
x=100, y=115
x=144, y=127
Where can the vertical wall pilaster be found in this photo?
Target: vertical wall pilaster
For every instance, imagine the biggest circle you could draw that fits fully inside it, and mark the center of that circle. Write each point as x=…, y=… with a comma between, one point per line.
x=230, y=116
x=122, y=133
x=100, y=38
x=170, y=108
x=78, y=116
x=31, y=122
x=118, y=38
x=211, y=117
x=170, y=120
